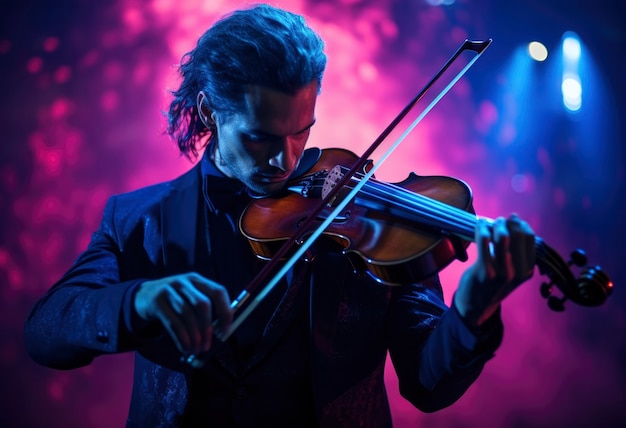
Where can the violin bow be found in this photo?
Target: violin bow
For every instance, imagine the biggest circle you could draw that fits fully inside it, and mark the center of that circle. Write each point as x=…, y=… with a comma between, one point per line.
x=259, y=282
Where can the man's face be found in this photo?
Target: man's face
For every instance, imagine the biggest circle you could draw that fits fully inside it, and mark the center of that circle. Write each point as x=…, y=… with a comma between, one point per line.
x=262, y=145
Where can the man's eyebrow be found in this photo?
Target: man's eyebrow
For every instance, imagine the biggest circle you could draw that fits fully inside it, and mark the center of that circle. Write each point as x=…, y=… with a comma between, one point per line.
x=262, y=133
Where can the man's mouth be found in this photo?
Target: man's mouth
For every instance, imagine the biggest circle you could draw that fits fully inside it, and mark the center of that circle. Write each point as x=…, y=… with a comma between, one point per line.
x=273, y=178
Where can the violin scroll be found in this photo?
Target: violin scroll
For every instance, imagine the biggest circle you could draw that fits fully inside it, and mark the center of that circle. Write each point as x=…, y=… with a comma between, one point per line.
x=591, y=288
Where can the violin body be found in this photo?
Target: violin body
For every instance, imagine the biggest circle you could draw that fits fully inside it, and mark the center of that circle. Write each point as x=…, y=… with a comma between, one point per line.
x=378, y=241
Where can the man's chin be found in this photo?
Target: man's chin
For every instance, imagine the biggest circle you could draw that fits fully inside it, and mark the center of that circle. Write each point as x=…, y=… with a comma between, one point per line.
x=266, y=189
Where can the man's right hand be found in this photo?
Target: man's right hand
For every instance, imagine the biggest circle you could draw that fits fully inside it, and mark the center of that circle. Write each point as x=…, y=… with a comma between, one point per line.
x=186, y=305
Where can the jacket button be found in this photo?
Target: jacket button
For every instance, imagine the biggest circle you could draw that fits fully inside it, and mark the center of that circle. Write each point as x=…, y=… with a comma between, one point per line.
x=103, y=336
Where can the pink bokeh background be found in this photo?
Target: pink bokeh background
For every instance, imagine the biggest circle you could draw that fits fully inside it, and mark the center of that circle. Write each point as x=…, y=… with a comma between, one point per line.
x=83, y=87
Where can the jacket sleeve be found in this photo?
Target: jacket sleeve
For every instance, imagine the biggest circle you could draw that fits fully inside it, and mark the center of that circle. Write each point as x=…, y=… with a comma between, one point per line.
x=83, y=314
x=435, y=355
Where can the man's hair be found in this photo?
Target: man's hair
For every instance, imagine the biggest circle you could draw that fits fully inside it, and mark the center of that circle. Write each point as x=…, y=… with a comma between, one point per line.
x=262, y=46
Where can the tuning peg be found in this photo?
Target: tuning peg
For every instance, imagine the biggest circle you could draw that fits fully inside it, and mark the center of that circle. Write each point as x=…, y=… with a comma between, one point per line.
x=546, y=289
x=578, y=257
x=557, y=304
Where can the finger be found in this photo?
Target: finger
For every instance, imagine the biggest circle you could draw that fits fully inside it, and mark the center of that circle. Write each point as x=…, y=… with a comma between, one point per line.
x=185, y=313
x=522, y=248
x=220, y=301
x=173, y=325
x=503, y=260
x=484, y=260
x=202, y=307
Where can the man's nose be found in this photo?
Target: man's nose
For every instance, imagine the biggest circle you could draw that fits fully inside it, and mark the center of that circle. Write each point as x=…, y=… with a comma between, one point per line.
x=284, y=158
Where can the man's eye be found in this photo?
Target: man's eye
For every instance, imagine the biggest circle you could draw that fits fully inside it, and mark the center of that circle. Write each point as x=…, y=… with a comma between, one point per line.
x=302, y=134
x=257, y=138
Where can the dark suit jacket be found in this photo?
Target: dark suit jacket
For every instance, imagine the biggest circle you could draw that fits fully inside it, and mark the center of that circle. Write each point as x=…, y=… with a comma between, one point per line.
x=150, y=233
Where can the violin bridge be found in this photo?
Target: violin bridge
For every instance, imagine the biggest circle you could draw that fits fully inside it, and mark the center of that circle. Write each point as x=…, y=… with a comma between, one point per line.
x=332, y=178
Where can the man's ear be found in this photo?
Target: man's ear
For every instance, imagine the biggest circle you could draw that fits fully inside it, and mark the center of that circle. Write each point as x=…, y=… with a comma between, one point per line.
x=206, y=115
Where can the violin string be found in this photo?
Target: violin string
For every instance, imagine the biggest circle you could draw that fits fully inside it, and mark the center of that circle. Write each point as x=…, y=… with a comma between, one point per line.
x=440, y=213
x=430, y=209
x=548, y=257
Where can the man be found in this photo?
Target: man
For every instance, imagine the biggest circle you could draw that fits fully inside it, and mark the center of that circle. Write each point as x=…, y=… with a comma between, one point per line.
x=168, y=259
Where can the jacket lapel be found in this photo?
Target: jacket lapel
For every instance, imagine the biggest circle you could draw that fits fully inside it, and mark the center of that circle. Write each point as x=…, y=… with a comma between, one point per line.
x=178, y=222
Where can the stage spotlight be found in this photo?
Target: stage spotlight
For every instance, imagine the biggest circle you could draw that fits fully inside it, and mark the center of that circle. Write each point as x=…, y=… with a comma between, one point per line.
x=572, y=93
x=571, y=86
x=537, y=51
x=571, y=47
x=440, y=2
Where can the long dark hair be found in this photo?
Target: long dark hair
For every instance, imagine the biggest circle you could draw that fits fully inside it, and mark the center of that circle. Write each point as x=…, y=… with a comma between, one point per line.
x=263, y=46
